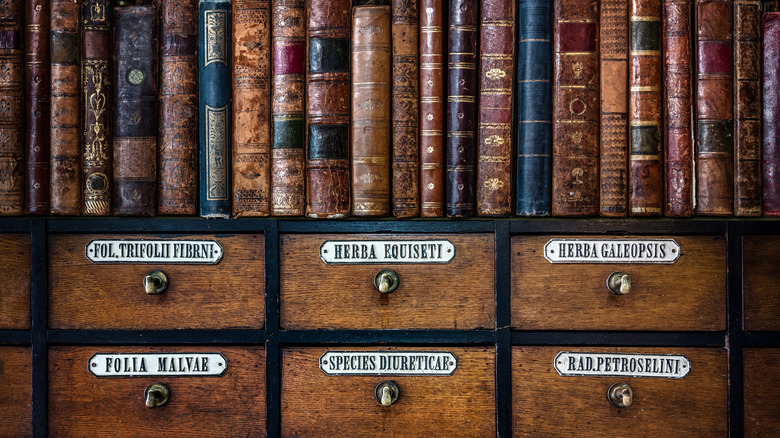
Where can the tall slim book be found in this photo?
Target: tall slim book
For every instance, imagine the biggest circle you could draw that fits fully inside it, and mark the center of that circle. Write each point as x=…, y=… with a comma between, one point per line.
x=12, y=117
x=770, y=27
x=37, y=110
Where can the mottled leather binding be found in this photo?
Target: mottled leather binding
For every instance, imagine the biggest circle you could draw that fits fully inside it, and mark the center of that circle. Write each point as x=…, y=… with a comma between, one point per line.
x=135, y=118
x=575, y=187
x=494, y=140
x=770, y=27
x=714, y=109
x=431, y=108
x=614, y=141
x=462, y=107
x=12, y=118
x=214, y=103
x=177, y=181
x=747, y=108
x=96, y=88
x=288, y=195
x=251, y=108
x=328, y=109
x=36, y=106
x=677, y=108
x=406, y=109
x=534, y=108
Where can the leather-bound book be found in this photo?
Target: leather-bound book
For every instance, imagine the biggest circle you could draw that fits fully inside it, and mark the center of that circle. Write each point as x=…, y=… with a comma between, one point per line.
x=534, y=108
x=406, y=109
x=771, y=5
x=288, y=33
x=714, y=109
x=214, y=104
x=96, y=88
x=462, y=107
x=12, y=117
x=677, y=108
x=251, y=108
x=747, y=108
x=431, y=108
x=646, y=196
x=494, y=140
x=575, y=182
x=36, y=105
x=328, y=108
x=135, y=117
x=770, y=27
x=177, y=181
x=614, y=140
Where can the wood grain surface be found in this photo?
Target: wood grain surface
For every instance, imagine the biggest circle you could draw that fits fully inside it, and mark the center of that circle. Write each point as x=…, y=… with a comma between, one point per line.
x=456, y=295
x=15, y=384
x=760, y=285
x=228, y=295
x=762, y=385
x=689, y=294
x=462, y=404
x=15, y=276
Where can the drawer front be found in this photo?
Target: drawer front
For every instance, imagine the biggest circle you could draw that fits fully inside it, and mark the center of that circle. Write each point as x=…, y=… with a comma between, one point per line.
x=454, y=295
x=689, y=294
x=229, y=294
x=460, y=404
x=15, y=276
x=545, y=403
x=760, y=272
x=82, y=404
x=15, y=381
x=762, y=387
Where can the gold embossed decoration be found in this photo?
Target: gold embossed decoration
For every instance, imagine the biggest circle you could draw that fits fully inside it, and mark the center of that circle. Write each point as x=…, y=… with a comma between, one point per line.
x=215, y=37
x=135, y=76
x=216, y=144
x=495, y=73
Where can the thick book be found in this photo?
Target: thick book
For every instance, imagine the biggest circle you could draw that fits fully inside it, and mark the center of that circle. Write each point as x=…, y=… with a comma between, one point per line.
x=214, y=107
x=770, y=27
x=36, y=105
x=251, y=127
x=496, y=79
x=431, y=108
x=12, y=117
x=534, y=108
x=575, y=181
x=135, y=116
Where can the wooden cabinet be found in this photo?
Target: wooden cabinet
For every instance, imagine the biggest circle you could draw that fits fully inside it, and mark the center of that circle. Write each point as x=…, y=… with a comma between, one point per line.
x=16, y=390
x=15, y=278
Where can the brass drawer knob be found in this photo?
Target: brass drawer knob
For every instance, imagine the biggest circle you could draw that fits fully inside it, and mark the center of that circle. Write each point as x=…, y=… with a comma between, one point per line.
x=620, y=395
x=387, y=393
x=156, y=395
x=619, y=283
x=386, y=281
x=155, y=282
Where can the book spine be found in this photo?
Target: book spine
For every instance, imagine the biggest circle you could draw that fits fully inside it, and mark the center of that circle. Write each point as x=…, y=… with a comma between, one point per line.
x=251, y=108
x=37, y=82
x=214, y=107
x=575, y=184
x=496, y=77
x=714, y=109
x=677, y=107
x=288, y=196
x=135, y=118
x=613, y=164
x=462, y=107
x=431, y=108
x=406, y=109
x=747, y=108
x=534, y=108
x=11, y=116
x=770, y=27
x=771, y=5
x=96, y=86
x=328, y=108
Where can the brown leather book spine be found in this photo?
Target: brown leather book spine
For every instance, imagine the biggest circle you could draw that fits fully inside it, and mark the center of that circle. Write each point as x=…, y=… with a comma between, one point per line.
x=714, y=109
x=251, y=108
x=747, y=108
x=677, y=108
x=406, y=109
x=614, y=143
x=494, y=139
x=12, y=115
x=770, y=27
x=431, y=108
x=36, y=80
x=576, y=109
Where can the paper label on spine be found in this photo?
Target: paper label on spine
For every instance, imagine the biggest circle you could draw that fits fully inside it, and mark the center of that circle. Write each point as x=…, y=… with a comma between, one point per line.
x=661, y=251
x=388, y=363
x=157, y=364
x=387, y=251
x=667, y=366
x=154, y=251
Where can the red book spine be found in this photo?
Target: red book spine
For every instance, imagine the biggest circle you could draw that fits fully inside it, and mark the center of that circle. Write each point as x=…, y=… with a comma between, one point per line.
x=431, y=108
x=37, y=110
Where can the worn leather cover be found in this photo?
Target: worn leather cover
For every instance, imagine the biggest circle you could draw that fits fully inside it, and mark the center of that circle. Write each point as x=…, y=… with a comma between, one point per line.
x=714, y=109
x=494, y=139
x=462, y=107
x=431, y=108
x=36, y=106
x=534, y=108
x=575, y=190
x=677, y=108
x=328, y=109
x=251, y=108
x=771, y=116
x=177, y=181
x=614, y=141
x=12, y=118
x=135, y=118
x=97, y=90
x=288, y=196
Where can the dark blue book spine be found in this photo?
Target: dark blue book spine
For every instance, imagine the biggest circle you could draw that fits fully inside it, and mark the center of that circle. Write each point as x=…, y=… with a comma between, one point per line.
x=214, y=104
x=534, y=108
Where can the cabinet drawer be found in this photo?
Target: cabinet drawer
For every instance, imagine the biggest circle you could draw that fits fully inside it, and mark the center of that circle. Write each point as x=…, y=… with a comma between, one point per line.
x=15, y=381
x=760, y=283
x=545, y=403
x=762, y=388
x=688, y=294
x=458, y=294
x=15, y=277
x=225, y=295
x=460, y=404
x=82, y=404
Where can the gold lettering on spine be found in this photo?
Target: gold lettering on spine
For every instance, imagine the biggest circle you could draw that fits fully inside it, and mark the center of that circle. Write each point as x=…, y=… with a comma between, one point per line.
x=216, y=40
x=216, y=121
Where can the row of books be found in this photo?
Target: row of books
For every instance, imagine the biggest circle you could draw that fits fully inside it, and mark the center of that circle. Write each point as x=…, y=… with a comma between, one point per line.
x=336, y=108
